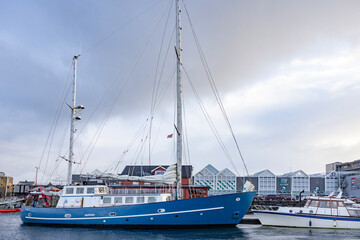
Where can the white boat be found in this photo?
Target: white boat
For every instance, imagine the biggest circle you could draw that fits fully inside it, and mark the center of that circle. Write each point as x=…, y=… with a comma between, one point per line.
x=318, y=212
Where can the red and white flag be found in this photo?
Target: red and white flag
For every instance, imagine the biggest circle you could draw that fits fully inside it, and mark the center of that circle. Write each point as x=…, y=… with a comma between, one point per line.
x=170, y=136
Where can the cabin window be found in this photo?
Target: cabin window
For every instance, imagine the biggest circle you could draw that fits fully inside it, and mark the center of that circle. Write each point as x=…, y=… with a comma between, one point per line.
x=107, y=200
x=151, y=199
x=101, y=190
x=333, y=204
x=129, y=200
x=79, y=190
x=314, y=203
x=341, y=204
x=140, y=199
x=69, y=191
x=324, y=204
x=118, y=200
x=90, y=190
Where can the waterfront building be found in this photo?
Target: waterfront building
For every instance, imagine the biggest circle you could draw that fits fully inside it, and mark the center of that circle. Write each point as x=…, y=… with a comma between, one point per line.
x=284, y=185
x=225, y=182
x=353, y=166
x=317, y=184
x=22, y=188
x=299, y=181
x=6, y=185
x=266, y=183
x=351, y=186
x=207, y=177
x=219, y=182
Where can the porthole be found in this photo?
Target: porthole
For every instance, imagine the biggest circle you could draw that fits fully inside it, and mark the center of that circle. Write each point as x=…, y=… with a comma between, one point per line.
x=68, y=215
x=112, y=214
x=290, y=211
x=237, y=199
x=161, y=210
x=29, y=215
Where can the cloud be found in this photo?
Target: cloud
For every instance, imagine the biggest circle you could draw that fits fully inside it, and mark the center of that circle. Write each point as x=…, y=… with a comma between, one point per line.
x=287, y=72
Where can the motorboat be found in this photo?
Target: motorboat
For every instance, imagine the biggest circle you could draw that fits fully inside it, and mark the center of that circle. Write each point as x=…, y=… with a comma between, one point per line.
x=318, y=212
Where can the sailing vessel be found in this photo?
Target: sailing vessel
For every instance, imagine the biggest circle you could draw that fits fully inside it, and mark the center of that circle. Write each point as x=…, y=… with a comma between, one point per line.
x=94, y=205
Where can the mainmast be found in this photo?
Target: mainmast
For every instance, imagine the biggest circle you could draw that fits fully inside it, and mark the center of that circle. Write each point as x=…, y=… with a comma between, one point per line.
x=179, y=102
x=72, y=127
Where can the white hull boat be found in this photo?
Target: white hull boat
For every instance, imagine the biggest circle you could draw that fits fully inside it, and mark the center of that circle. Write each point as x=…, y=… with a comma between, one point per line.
x=318, y=212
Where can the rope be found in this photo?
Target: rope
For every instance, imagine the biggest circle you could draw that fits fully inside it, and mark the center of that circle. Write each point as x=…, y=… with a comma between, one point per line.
x=120, y=28
x=97, y=135
x=215, y=91
x=52, y=131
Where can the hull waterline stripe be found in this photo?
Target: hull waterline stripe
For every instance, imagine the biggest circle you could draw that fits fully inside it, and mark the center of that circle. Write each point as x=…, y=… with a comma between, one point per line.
x=129, y=216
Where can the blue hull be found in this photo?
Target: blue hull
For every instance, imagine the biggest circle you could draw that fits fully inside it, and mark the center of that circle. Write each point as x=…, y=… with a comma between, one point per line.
x=219, y=210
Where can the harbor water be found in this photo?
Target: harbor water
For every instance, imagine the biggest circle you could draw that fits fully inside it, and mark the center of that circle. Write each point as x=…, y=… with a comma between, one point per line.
x=11, y=227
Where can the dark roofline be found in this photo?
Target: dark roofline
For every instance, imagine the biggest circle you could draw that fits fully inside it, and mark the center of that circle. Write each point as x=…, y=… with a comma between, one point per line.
x=146, y=170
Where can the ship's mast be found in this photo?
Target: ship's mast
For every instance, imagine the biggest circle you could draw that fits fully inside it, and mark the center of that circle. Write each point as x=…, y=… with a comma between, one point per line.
x=72, y=127
x=179, y=102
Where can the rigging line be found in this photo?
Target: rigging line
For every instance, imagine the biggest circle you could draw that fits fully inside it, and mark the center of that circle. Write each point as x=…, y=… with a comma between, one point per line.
x=120, y=28
x=212, y=83
x=111, y=87
x=138, y=153
x=167, y=84
x=54, y=170
x=162, y=94
x=210, y=122
x=155, y=81
x=157, y=63
x=186, y=137
x=163, y=65
x=54, y=123
x=60, y=148
x=55, y=115
x=142, y=128
x=174, y=117
x=124, y=84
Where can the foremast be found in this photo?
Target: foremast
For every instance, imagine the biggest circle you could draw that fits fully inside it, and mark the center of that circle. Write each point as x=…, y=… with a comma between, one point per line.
x=179, y=103
x=72, y=126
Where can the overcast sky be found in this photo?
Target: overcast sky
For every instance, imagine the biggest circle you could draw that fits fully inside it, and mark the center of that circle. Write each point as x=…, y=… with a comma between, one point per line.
x=287, y=72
